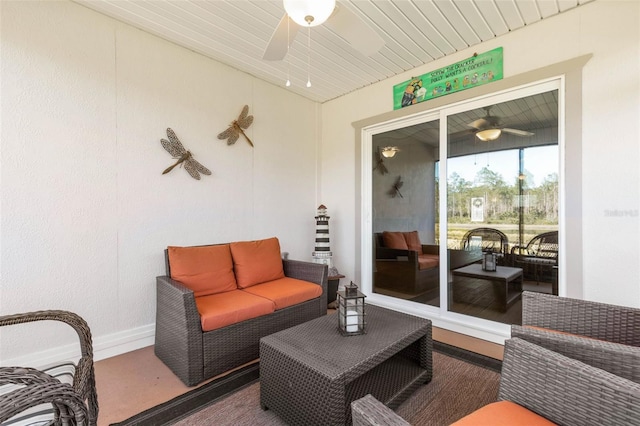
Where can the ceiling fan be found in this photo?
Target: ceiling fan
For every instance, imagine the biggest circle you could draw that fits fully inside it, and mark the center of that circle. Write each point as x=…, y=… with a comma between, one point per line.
x=489, y=127
x=303, y=13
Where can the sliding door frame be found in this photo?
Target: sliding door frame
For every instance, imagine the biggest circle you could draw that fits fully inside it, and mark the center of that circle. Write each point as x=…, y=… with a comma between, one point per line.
x=564, y=77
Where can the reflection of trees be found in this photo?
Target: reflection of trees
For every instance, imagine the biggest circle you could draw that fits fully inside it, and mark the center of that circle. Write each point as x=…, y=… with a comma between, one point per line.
x=458, y=205
x=502, y=201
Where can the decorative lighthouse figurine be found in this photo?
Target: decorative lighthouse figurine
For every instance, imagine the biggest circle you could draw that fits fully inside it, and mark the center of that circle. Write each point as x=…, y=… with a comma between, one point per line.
x=322, y=253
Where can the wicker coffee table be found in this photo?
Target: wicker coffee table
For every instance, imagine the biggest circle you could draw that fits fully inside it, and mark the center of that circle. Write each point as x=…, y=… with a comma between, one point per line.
x=310, y=373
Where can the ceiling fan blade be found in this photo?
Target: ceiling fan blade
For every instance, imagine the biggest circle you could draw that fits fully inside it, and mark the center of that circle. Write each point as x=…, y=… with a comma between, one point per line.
x=517, y=132
x=355, y=31
x=480, y=123
x=278, y=44
x=461, y=133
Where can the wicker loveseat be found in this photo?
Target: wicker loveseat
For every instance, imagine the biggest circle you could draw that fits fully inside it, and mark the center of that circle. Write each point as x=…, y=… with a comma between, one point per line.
x=217, y=301
x=537, y=387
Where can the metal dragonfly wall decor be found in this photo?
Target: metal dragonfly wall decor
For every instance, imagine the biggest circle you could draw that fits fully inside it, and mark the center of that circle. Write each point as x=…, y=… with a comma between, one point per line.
x=234, y=130
x=380, y=163
x=174, y=147
x=395, y=189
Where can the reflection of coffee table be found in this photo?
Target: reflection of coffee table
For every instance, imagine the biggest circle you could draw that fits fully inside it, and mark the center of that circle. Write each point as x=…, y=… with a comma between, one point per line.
x=503, y=274
x=310, y=373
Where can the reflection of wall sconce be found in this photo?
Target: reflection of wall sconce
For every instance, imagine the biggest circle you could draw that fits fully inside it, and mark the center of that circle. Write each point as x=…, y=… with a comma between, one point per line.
x=489, y=134
x=390, y=151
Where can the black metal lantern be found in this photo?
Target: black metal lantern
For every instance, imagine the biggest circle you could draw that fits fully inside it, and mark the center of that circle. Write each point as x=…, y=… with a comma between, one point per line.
x=489, y=261
x=351, y=311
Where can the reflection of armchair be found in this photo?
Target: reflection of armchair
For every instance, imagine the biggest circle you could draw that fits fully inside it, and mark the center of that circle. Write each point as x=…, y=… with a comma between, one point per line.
x=43, y=388
x=540, y=255
x=486, y=239
x=407, y=268
x=599, y=334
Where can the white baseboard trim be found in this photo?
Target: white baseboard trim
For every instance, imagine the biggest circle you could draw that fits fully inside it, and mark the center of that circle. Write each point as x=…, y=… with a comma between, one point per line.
x=103, y=347
x=123, y=342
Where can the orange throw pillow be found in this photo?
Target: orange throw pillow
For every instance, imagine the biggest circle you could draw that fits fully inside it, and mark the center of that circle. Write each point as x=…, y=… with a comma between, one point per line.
x=256, y=262
x=413, y=241
x=394, y=240
x=205, y=270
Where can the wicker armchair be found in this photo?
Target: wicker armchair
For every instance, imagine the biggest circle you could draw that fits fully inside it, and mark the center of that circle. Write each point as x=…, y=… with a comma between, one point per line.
x=599, y=334
x=33, y=388
x=545, y=383
x=368, y=411
x=77, y=403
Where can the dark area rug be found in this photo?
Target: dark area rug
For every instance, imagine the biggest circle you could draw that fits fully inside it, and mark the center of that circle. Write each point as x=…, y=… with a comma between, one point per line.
x=463, y=381
x=468, y=356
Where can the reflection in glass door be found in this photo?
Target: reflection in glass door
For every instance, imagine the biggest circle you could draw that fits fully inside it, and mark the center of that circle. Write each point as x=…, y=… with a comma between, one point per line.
x=502, y=205
x=406, y=260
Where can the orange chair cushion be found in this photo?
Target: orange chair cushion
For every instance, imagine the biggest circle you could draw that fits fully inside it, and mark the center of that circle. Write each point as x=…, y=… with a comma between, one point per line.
x=413, y=241
x=394, y=240
x=503, y=413
x=205, y=270
x=428, y=261
x=286, y=291
x=223, y=309
x=256, y=262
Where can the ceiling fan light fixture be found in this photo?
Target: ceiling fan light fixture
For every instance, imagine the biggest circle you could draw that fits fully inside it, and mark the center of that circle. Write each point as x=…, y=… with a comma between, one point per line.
x=309, y=12
x=390, y=151
x=488, y=135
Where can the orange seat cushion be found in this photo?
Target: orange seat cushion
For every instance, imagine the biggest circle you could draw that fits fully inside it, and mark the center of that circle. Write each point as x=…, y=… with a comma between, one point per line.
x=413, y=241
x=286, y=291
x=503, y=413
x=205, y=270
x=256, y=262
x=394, y=240
x=428, y=261
x=223, y=309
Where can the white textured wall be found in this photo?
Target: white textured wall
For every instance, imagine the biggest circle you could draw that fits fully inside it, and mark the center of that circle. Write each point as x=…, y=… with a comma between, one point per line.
x=85, y=212
x=610, y=144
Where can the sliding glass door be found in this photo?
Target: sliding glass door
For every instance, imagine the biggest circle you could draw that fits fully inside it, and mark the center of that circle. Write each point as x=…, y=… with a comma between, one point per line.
x=502, y=193
x=405, y=213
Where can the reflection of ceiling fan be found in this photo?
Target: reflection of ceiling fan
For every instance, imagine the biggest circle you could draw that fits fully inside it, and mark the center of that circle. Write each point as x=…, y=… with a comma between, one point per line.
x=300, y=13
x=489, y=127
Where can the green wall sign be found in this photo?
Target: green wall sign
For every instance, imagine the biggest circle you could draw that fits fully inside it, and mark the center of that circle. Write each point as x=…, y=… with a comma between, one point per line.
x=474, y=71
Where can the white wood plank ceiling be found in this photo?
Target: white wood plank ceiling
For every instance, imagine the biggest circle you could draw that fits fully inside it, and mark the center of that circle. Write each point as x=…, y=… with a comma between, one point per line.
x=415, y=32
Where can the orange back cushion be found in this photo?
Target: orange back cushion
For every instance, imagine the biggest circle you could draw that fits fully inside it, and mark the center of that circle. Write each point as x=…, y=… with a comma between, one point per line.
x=256, y=262
x=205, y=270
x=394, y=240
x=413, y=241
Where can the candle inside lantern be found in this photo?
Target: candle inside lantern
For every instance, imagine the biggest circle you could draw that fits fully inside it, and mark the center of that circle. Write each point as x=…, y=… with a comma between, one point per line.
x=352, y=321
